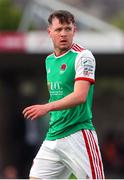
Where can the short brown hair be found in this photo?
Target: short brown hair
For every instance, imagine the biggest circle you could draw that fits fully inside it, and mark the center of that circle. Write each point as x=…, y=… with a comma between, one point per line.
x=63, y=16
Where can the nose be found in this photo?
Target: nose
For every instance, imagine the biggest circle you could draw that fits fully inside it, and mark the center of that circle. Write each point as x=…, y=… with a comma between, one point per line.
x=63, y=32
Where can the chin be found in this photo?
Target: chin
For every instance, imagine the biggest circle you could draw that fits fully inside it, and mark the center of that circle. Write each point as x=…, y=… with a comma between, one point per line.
x=64, y=47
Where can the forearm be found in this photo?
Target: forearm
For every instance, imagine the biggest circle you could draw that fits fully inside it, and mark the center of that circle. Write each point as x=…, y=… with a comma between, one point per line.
x=77, y=97
x=69, y=101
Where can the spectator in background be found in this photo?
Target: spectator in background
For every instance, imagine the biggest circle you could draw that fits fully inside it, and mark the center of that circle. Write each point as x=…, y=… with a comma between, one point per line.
x=10, y=172
x=113, y=157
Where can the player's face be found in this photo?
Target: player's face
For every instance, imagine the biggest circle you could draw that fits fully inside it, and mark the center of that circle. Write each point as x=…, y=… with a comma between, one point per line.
x=61, y=35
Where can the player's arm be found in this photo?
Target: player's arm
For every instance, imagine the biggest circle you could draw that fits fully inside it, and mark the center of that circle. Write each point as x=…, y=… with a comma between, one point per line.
x=85, y=70
x=77, y=97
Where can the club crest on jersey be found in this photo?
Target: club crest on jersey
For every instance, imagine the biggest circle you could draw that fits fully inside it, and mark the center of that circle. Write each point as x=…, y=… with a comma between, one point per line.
x=63, y=68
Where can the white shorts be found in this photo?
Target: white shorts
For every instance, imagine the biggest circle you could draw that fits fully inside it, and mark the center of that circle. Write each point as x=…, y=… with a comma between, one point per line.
x=78, y=154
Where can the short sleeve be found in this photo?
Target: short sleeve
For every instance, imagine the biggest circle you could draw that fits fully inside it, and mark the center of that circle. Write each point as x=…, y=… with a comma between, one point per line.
x=85, y=66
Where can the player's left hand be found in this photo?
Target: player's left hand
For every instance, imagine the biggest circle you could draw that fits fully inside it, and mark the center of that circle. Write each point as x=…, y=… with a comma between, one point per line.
x=35, y=111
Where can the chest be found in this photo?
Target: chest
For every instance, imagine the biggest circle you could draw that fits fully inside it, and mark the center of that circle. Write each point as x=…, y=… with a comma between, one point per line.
x=61, y=69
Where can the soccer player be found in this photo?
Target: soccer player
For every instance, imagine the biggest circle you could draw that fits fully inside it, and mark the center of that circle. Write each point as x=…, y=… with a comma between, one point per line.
x=71, y=144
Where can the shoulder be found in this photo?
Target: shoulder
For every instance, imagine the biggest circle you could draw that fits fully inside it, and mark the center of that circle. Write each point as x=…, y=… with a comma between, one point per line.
x=49, y=56
x=77, y=48
x=85, y=58
x=81, y=51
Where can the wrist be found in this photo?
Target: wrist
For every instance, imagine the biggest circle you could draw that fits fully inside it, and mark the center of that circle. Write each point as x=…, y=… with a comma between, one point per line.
x=50, y=107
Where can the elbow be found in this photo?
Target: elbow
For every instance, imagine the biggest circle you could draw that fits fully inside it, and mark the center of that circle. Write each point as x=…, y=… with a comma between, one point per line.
x=81, y=99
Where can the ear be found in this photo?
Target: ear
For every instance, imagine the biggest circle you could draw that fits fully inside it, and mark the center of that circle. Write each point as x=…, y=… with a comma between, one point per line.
x=48, y=30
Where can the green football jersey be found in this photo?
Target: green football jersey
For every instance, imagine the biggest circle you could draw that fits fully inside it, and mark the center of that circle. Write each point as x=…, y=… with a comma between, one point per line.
x=62, y=72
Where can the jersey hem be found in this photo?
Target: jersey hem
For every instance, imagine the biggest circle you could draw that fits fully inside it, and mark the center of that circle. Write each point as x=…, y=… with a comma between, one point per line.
x=63, y=135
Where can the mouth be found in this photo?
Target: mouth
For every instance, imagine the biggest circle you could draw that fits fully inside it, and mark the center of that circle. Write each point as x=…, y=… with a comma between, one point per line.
x=63, y=41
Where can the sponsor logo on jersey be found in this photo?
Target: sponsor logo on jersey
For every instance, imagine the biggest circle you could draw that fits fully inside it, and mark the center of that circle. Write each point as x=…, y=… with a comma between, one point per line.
x=88, y=67
x=55, y=88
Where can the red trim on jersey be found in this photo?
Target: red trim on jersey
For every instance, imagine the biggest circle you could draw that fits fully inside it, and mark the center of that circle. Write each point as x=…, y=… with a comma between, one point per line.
x=50, y=54
x=89, y=153
x=61, y=53
x=92, y=81
x=77, y=47
x=74, y=46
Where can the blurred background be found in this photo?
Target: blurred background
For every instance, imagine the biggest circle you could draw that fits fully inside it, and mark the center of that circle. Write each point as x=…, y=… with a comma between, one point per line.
x=24, y=44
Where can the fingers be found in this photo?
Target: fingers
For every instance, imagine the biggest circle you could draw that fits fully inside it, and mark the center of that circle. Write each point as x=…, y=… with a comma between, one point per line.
x=27, y=109
x=35, y=111
x=30, y=112
x=30, y=115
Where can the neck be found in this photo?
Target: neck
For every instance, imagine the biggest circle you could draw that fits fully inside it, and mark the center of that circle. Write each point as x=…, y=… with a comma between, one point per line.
x=59, y=52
